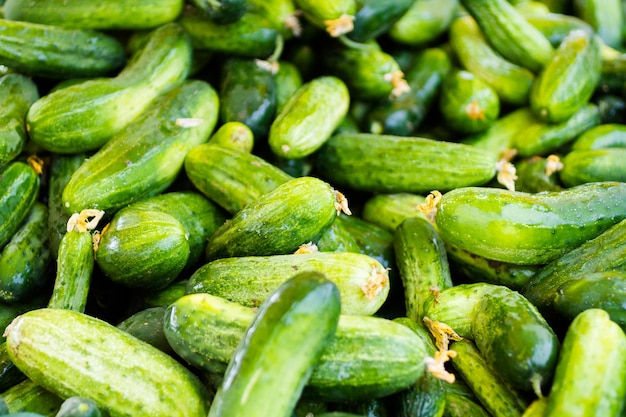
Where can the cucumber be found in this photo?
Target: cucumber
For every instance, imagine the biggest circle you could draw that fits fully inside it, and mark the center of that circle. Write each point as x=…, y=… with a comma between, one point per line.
x=374, y=18
x=390, y=210
x=282, y=14
x=59, y=349
x=337, y=239
x=18, y=92
x=78, y=407
x=424, y=22
x=524, y=228
x=556, y=26
x=458, y=406
x=9, y=374
x=610, y=135
x=147, y=325
x=585, y=166
x=368, y=162
x=605, y=17
x=58, y=53
x=236, y=135
x=293, y=213
x=280, y=348
x=84, y=14
x=334, y=16
x=568, y=81
x=309, y=117
x=29, y=397
x=145, y=158
x=222, y=12
x=426, y=398
x=362, y=281
x=288, y=80
x=19, y=187
x=589, y=378
x=536, y=174
x=84, y=116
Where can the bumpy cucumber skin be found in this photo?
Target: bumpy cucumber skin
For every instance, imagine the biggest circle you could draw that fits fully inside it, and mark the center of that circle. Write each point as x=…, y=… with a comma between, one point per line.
x=59, y=350
x=18, y=93
x=309, y=117
x=88, y=15
x=580, y=167
x=524, y=228
x=373, y=18
x=19, y=187
x=589, y=378
x=27, y=395
x=145, y=158
x=292, y=214
x=423, y=22
x=370, y=162
x=569, y=80
x=280, y=348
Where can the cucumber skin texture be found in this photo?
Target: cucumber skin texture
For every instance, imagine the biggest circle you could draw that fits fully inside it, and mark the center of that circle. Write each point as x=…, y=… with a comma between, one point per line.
x=580, y=167
x=58, y=349
x=369, y=357
x=390, y=210
x=369, y=162
x=222, y=12
x=18, y=93
x=524, y=228
x=337, y=239
x=458, y=405
x=83, y=117
x=276, y=356
x=250, y=280
x=143, y=249
x=373, y=18
x=89, y=15
x=423, y=22
x=372, y=239
x=145, y=158
x=589, y=378
x=309, y=117
x=234, y=135
x=294, y=213
x=24, y=261
x=532, y=178
x=147, y=325
x=66, y=53
x=19, y=187
x=568, y=81
x=27, y=395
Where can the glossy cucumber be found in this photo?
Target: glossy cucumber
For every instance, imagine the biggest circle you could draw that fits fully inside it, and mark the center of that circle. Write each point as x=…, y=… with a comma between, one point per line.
x=424, y=22
x=458, y=406
x=222, y=12
x=556, y=26
x=336, y=17
x=288, y=80
x=145, y=158
x=236, y=135
x=19, y=187
x=280, y=349
x=525, y=228
x=536, y=174
x=84, y=116
x=309, y=117
x=372, y=239
x=293, y=213
x=29, y=397
x=580, y=167
x=18, y=92
x=426, y=398
x=59, y=349
x=374, y=18
x=282, y=14
x=337, y=239
x=147, y=325
x=362, y=281
x=369, y=162
x=605, y=17
x=389, y=210
x=610, y=135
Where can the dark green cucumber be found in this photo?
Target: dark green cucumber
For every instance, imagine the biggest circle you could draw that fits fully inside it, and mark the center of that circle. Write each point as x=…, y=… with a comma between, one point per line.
x=25, y=259
x=83, y=117
x=59, y=350
x=510, y=34
x=511, y=82
x=612, y=77
x=334, y=16
x=374, y=18
x=568, y=81
x=372, y=239
x=535, y=175
x=162, y=297
x=84, y=14
x=610, y=135
x=29, y=397
x=282, y=14
x=19, y=187
x=525, y=228
x=424, y=22
x=612, y=108
x=288, y=80
x=280, y=349
x=145, y=158
x=18, y=92
x=143, y=248
x=337, y=239
x=222, y=11
x=369, y=357
x=309, y=117
x=585, y=166
x=147, y=325
x=362, y=281
x=247, y=94
x=78, y=407
x=236, y=135
x=556, y=26
x=75, y=262
x=370, y=162
x=459, y=406
x=55, y=52
x=590, y=376
x=290, y=215
x=606, y=17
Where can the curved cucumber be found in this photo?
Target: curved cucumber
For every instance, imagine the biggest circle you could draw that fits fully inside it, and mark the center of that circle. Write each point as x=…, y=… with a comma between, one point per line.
x=19, y=187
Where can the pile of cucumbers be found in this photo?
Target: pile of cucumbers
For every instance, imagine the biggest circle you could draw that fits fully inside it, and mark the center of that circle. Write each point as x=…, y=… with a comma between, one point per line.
x=313, y=208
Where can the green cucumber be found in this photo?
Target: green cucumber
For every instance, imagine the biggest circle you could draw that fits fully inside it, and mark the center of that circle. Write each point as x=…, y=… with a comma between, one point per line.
x=84, y=116
x=282, y=14
x=223, y=11
x=372, y=239
x=590, y=376
x=536, y=408
x=426, y=398
x=145, y=158
x=164, y=296
x=288, y=80
x=280, y=349
x=9, y=374
x=458, y=405
x=290, y=215
x=606, y=17
x=369, y=162
x=236, y=135
x=337, y=239
x=59, y=53
x=29, y=397
x=78, y=407
x=362, y=281
x=390, y=210
x=84, y=14
x=611, y=135
x=535, y=175
x=374, y=18
x=19, y=187
x=18, y=92
x=525, y=228
x=568, y=81
x=424, y=22
x=510, y=33
x=25, y=259
x=612, y=71
x=59, y=349
x=580, y=166
x=147, y=325
x=309, y=117
x=334, y=16
x=556, y=26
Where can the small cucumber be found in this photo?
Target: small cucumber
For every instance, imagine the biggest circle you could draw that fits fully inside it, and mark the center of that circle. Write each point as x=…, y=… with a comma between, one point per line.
x=18, y=93
x=280, y=348
x=59, y=350
x=147, y=325
x=568, y=80
x=537, y=174
x=236, y=135
x=29, y=397
x=78, y=407
x=222, y=11
x=606, y=17
x=145, y=158
x=290, y=215
x=337, y=239
x=580, y=166
x=334, y=16
x=369, y=162
x=19, y=187
x=424, y=22
x=374, y=17
x=309, y=117
x=389, y=210
x=525, y=228
x=372, y=239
